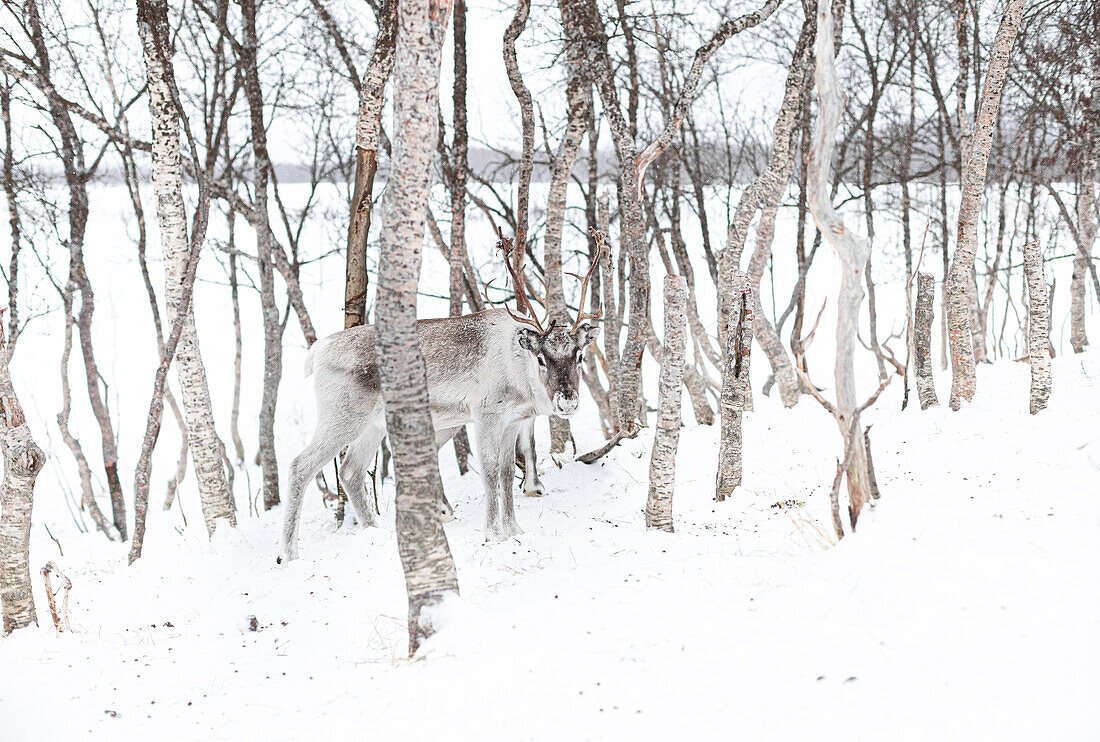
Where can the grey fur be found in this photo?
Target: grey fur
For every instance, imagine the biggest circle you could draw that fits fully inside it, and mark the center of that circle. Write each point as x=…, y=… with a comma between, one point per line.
x=483, y=368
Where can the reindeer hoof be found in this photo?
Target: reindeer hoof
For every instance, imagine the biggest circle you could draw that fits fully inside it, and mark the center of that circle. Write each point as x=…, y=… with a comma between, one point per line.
x=513, y=529
x=537, y=491
x=286, y=555
x=494, y=534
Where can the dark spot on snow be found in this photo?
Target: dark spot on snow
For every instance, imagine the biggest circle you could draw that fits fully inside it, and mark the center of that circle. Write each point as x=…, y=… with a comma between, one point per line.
x=112, y=714
x=850, y=679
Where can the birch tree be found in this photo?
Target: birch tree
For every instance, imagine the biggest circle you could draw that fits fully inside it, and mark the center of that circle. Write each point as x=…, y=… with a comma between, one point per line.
x=662, y=464
x=207, y=450
x=425, y=555
x=273, y=330
x=963, y=379
x=735, y=386
x=764, y=194
x=851, y=249
x=922, y=341
x=578, y=102
x=367, y=139
x=23, y=459
x=1038, y=327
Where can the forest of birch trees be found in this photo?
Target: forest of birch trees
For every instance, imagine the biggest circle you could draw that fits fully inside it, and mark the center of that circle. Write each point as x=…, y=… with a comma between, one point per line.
x=948, y=146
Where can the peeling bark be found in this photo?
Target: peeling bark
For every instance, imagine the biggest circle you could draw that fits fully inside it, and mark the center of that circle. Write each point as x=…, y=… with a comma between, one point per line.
x=662, y=466
x=23, y=459
x=735, y=386
x=922, y=341
x=764, y=194
x=1038, y=327
x=425, y=555
x=852, y=251
x=206, y=447
x=963, y=380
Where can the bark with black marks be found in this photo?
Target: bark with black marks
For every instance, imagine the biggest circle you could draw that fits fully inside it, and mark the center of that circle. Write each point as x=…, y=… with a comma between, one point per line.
x=23, y=460
x=662, y=465
x=735, y=386
x=922, y=341
x=960, y=334
x=1038, y=327
x=425, y=555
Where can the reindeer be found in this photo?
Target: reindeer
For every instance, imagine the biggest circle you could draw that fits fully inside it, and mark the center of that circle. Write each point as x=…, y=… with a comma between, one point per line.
x=496, y=369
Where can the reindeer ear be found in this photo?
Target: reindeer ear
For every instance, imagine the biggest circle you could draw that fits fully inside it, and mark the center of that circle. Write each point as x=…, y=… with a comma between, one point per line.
x=529, y=339
x=586, y=333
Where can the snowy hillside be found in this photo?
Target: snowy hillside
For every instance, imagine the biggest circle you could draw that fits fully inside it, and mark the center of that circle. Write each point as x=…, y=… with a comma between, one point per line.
x=963, y=608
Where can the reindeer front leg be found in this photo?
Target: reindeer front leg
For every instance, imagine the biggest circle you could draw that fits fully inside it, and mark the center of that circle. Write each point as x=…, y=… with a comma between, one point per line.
x=532, y=485
x=490, y=434
x=507, y=465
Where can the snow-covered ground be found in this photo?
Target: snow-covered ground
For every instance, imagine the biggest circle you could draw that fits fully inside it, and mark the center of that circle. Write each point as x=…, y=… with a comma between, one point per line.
x=965, y=607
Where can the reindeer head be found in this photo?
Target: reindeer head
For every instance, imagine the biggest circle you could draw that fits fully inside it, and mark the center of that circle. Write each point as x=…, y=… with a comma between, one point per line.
x=559, y=353
x=558, y=350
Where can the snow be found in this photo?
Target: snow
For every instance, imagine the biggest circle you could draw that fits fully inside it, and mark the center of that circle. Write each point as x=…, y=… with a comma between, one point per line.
x=964, y=607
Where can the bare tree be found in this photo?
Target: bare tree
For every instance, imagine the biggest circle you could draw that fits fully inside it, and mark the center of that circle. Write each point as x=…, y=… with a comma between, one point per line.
x=735, y=386
x=273, y=330
x=425, y=555
x=764, y=194
x=1038, y=327
x=662, y=465
x=23, y=459
x=851, y=249
x=37, y=70
x=963, y=380
x=368, y=136
x=165, y=114
x=922, y=341
x=578, y=103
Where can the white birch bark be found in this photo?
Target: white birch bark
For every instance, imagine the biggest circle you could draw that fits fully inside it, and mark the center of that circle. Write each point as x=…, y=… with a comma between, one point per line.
x=961, y=275
x=1038, y=327
x=206, y=448
x=764, y=193
x=425, y=555
x=666, y=438
x=1086, y=215
x=23, y=459
x=852, y=250
x=735, y=386
x=922, y=341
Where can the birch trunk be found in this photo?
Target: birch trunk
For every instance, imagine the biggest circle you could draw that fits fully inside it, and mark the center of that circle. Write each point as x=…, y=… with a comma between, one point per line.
x=564, y=159
x=71, y=152
x=459, y=164
x=764, y=193
x=206, y=448
x=425, y=555
x=922, y=341
x=273, y=331
x=852, y=251
x=368, y=131
x=612, y=326
x=1086, y=214
x=662, y=465
x=23, y=459
x=961, y=339
x=1038, y=327
x=735, y=386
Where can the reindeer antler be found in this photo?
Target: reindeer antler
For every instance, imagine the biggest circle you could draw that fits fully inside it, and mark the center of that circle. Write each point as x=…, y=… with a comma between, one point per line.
x=602, y=247
x=507, y=246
